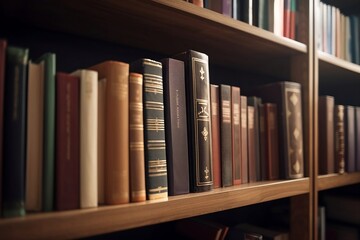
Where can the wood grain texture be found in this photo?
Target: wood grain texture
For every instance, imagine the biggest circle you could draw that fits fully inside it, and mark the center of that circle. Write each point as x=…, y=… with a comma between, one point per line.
x=335, y=180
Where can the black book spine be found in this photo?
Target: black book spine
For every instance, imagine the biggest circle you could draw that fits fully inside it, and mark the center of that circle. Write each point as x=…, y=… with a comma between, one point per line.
x=357, y=132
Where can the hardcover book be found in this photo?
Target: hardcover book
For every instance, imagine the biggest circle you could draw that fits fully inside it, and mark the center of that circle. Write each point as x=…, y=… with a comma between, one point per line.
x=221, y=6
x=199, y=119
x=176, y=126
x=101, y=139
x=67, y=148
x=215, y=127
x=3, y=46
x=349, y=138
x=255, y=102
x=154, y=123
x=13, y=174
x=235, y=133
x=251, y=144
x=339, y=139
x=244, y=140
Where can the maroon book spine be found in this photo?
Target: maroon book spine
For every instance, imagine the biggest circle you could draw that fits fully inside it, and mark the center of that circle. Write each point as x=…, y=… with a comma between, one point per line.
x=215, y=125
x=235, y=129
x=251, y=144
x=67, y=142
x=244, y=140
x=272, y=142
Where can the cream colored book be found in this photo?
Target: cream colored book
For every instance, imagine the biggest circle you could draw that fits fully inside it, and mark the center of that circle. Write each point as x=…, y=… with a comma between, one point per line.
x=88, y=137
x=101, y=138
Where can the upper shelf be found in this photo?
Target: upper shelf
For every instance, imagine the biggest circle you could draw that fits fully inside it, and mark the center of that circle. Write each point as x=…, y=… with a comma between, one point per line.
x=89, y=222
x=337, y=180
x=163, y=26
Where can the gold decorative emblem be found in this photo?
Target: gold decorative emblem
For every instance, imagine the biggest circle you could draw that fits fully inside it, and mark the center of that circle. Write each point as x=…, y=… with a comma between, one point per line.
x=202, y=74
x=296, y=133
x=206, y=171
x=205, y=133
x=296, y=167
x=294, y=99
x=203, y=111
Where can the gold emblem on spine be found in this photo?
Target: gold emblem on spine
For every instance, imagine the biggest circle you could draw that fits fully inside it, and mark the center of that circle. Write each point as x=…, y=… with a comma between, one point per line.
x=206, y=171
x=205, y=133
x=202, y=74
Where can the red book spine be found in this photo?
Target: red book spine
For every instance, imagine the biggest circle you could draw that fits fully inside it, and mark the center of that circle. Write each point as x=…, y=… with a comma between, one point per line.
x=251, y=144
x=287, y=4
x=67, y=142
x=244, y=140
x=235, y=128
x=215, y=125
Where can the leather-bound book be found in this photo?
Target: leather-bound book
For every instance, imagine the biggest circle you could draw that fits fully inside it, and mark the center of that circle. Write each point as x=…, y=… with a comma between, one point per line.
x=339, y=113
x=235, y=134
x=263, y=142
x=154, y=123
x=226, y=137
x=199, y=119
x=34, y=135
x=67, y=148
x=349, y=138
x=326, y=135
x=215, y=126
x=14, y=148
x=251, y=144
x=176, y=126
x=221, y=6
x=136, y=138
x=287, y=97
x=244, y=140
x=101, y=139
x=357, y=137
x=116, y=168
x=3, y=45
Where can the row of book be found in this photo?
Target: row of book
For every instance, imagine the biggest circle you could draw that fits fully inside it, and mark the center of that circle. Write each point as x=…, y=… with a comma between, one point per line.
x=277, y=16
x=339, y=137
x=338, y=34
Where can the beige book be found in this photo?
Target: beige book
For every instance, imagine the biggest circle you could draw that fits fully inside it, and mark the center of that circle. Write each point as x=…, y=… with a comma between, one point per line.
x=88, y=137
x=101, y=138
x=34, y=148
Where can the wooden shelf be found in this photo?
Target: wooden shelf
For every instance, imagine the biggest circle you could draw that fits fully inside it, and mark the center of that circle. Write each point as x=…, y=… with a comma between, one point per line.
x=337, y=180
x=88, y=222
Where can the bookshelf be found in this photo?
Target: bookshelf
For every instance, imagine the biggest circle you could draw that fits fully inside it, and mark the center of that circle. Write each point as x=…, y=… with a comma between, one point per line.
x=166, y=27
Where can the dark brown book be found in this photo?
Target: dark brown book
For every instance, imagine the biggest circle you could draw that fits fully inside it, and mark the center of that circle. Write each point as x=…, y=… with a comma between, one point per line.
x=226, y=136
x=67, y=142
x=349, y=139
x=251, y=144
x=326, y=135
x=244, y=140
x=176, y=126
x=215, y=123
x=287, y=97
x=357, y=137
x=339, y=139
x=235, y=133
x=199, y=119
x=256, y=102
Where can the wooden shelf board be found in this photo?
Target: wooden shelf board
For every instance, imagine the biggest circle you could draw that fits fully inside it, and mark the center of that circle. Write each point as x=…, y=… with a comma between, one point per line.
x=330, y=181
x=105, y=219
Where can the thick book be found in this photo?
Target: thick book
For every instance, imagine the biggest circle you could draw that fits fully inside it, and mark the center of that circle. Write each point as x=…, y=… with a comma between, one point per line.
x=101, y=139
x=326, y=134
x=287, y=97
x=244, y=140
x=235, y=134
x=154, y=123
x=48, y=188
x=349, y=123
x=199, y=119
x=34, y=135
x=357, y=138
x=67, y=148
x=226, y=136
x=136, y=139
x=3, y=46
x=176, y=126
x=13, y=192
x=116, y=165
x=88, y=137
x=215, y=126
x=339, y=129
x=251, y=144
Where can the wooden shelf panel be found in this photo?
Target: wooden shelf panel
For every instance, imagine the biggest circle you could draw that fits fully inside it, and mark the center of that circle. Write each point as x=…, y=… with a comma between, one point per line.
x=88, y=222
x=164, y=26
x=337, y=180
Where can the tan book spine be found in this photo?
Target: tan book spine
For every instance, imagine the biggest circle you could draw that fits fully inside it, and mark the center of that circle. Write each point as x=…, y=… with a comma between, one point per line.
x=34, y=151
x=101, y=139
x=136, y=137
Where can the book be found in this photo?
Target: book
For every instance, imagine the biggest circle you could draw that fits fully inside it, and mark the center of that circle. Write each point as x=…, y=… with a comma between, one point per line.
x=326, y=134
x=176, y=126
x=251, y=144
x=287, y=18
x=154, y=123
x=199, y=3
x=34, y=136
x=226, y=136
x=48, y=188
x=357, y=138
x=136, y=139
x=199, y=119
x=221, y=6
x=197, y=228
x=321, y=223
x=244, y=140
x=88, y=137
x=293, y=14
x=215, y=127
x=116, y=165
x=246, y=8
x=287, y=97
x=3, y=46
x=349, y=123
x=235, y=133
x=339, y=138
x=101, y=139
x=278, y=17
x=14, y=148
x=67, y=147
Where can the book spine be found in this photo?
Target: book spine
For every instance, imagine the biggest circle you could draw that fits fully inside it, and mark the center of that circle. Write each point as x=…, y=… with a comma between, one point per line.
x=215, y=127
x=14, y=132
x=263, y=141
x=67, y=142
x=287, y=17
x=293, y=13
x=199, y=3
x=34, y=148
x=256, y=102
x=251, y=144
x=349, y=139
x=3, y=46
x=235, y=133
x=136, y=139
x=176, y=126
x=339, y=139
x=244, y=140
x=272, y=152
x=101, y=139
x=357, y=132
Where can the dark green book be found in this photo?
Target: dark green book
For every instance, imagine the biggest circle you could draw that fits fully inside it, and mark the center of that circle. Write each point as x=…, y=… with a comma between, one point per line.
x=49, y=61
x=154, y=132
x=14, y=132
